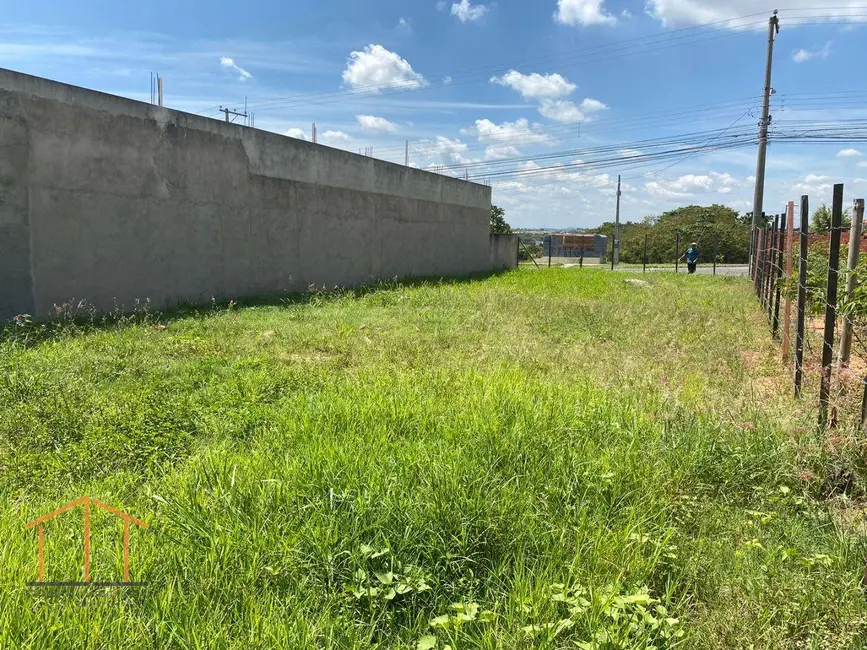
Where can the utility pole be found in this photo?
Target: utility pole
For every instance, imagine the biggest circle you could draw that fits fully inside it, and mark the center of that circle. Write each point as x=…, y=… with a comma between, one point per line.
x=313, y=140
x=159, y=90
x=616, y=257
x=759, y=196
x=229, y=111
x=406, y=155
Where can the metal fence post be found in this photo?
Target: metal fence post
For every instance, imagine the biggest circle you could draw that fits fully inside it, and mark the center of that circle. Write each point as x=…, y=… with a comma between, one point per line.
x=802, y=294
x=677, y=253
x=831, y=304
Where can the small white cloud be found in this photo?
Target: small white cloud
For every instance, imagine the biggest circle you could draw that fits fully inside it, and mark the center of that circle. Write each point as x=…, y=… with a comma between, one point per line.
x=535, y=85
x=376, y=124
x=404, y=26
x=862, y=164
x=849, y=153
x=296, y=133
x=626, y=14
x=335, y=136
x=228, y=62
x=590, y=105
x=466, y=12
x=447, y=81
x=583, y=12
x=442, y=4
x=803, y=55
x=561, y=110
x=501, y=153
x=375, y=68
x=630, y=153
x=518, y=131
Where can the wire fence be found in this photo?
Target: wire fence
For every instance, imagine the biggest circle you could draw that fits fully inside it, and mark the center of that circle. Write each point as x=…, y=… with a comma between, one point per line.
x=816, y=308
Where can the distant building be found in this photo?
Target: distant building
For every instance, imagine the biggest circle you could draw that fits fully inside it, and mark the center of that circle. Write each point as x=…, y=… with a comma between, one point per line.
x=588, y=245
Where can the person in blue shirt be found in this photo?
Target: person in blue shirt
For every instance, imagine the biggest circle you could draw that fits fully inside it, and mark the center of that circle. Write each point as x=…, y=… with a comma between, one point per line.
x=692, y=255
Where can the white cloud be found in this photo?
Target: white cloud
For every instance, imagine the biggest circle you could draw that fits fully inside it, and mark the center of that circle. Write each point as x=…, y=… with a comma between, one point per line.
x=561, y=111
x=376, y=68
x=630, y=153
x=583, y=12
x=404, y=26
x=501, y=153
x=228, y=62
x=535, y=85
x=674, y=13
x=813, y=184
x=849, y=153
x=465, y=12
x=803, y=55
x=590, y=105
x=376, y=124
x=862, y=164
x=442, y=147
x=626, y=14
x=680, y=188
x=296, y=133
x=334, y=136
x=518, y=132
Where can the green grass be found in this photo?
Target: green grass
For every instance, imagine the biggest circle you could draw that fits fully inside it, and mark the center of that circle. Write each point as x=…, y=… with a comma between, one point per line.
x=541, y=459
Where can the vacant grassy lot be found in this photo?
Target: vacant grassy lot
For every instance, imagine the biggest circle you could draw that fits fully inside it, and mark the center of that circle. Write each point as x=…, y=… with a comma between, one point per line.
x=544, y=459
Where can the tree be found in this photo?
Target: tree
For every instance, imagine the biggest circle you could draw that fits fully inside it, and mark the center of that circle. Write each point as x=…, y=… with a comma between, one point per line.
x=498, y=221
x=821, y=222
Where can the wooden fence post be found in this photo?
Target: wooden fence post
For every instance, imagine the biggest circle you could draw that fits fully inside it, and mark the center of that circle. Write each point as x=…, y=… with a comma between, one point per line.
x=645, y=254
x=715, y=249
x=831, y=304
x=802, y=294
x=778, y=272
x=851, y=280
x=677, y=253
x=787, y=317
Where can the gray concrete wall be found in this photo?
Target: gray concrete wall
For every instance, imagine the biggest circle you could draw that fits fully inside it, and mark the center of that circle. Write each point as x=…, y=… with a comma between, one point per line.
x=504, y=252
x=109, y=200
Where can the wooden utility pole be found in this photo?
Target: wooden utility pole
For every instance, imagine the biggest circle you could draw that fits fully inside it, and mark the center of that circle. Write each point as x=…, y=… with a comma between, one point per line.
x=759, y=195
x=787, y=316
x=851, y=280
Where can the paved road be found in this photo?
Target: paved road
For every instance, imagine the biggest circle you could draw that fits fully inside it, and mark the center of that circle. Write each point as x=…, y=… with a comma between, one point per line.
x=703, y=269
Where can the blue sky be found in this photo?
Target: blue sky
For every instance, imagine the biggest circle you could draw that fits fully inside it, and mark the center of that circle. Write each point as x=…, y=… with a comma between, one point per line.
x=517, y=93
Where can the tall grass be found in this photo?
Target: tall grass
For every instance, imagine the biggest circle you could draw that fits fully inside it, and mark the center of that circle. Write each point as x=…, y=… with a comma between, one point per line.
x=547, y=459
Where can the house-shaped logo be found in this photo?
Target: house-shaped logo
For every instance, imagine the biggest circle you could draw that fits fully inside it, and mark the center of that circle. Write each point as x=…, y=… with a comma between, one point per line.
x=87, y=502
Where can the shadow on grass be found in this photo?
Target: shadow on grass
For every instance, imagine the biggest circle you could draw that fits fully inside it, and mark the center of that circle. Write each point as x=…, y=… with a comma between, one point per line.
x=78, y=319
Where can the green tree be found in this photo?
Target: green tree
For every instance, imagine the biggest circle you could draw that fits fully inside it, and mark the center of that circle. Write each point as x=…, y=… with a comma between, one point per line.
x=694, y=223
x=821, y=221
x=498, y=221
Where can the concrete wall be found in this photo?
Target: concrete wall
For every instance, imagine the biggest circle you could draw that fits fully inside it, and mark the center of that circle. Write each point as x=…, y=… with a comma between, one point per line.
x=504, y=252
x=110, y=200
